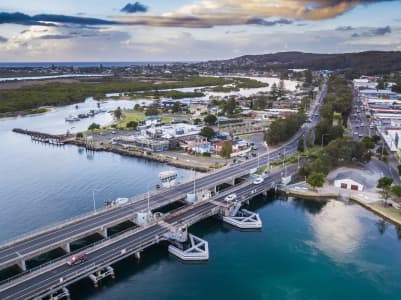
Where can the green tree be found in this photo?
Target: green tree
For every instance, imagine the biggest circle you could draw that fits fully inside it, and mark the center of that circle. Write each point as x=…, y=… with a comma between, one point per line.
x=384, y=184
x=210, y=119
x=281, y=89
x=197, y=121
x=138, y=107
x=176, y=107
x=93, y=126
x=80, y=135
x=274, y=92
x=301, y=145
x=132, y=124
x=118, y=113
x=152, y=110
x=227, y=149
x=399, y=169
x=396, y=190
x=316, y=180
x=207, y=132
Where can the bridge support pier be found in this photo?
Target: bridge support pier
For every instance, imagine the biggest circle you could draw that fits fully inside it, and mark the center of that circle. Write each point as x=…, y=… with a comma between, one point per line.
x=22, y=264
x=101, y=274
x=103, y=232
x=137, y=255
x=244, y=219
x=197, y=250
x=63, y=293
x=67, y=248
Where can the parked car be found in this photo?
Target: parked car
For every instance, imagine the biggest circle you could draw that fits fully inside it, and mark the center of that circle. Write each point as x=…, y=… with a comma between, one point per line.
x=77, y=259
x=230, y=197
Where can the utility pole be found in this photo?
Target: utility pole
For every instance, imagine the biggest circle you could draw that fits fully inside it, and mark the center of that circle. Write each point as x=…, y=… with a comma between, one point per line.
x=94, y=202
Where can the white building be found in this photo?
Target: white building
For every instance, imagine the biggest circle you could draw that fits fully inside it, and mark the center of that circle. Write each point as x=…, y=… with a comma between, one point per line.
x=348, y=184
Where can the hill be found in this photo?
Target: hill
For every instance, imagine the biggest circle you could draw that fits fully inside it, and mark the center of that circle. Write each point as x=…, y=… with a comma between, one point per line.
x=369, y=62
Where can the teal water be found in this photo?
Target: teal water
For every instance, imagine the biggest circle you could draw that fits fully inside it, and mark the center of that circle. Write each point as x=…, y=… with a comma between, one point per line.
x=306, y=250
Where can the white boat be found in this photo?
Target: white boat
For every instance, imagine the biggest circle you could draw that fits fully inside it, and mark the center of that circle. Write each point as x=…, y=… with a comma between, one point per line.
x=72, y=118
x=168, y=178
x=286, y=179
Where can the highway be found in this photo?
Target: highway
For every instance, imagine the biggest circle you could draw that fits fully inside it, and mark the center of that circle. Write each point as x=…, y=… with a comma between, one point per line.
x=36, y=284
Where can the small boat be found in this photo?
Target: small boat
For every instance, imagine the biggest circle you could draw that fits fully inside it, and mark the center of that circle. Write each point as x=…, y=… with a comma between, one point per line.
x=168, y=178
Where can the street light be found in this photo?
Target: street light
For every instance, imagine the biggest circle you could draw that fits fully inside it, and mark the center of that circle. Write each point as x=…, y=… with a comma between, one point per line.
x=93, y=198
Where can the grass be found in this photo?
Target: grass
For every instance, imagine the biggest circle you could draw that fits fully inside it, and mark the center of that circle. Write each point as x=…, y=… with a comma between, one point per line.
x=387, y=211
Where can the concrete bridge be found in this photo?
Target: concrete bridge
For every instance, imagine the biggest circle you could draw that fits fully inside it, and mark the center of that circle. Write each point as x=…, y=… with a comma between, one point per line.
x=54, y=278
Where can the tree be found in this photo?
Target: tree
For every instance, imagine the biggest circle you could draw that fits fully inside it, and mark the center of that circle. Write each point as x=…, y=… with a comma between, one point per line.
x=227, y=149
x=316, y=180
x=301, y=146
x=152, y=110
x=93, y=126
x=274, y=92
x=176, y=107
x=399, y=169
x=281, y=88
x=396, y=190
x=207, y=132
x=132, y=124
x=384, y=184
x=118, y=113
x=197, y=121
x=210, y=119
x=80, y=135
x=138, y=107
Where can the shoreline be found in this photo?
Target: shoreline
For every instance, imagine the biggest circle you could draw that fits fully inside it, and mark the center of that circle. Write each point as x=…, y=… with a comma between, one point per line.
x=143, y=155
x=316, y=195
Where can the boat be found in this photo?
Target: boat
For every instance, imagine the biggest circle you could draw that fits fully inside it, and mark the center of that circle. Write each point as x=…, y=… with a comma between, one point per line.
x=168, y=178
x=82, y=116
x=72, y=118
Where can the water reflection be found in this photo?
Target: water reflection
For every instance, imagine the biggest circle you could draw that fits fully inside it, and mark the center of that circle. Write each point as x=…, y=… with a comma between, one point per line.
x=338, y=231
x=311, y=206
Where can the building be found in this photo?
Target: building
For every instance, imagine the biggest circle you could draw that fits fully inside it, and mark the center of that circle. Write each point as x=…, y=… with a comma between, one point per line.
x=348, y=184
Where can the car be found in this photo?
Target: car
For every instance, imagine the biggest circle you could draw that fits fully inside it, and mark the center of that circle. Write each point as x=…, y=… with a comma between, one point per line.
x=77, y=259
x=258, y=180
x=230, y=197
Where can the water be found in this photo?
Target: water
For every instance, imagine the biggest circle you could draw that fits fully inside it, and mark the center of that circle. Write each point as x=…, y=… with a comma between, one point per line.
x=41, y=184
x=306, y=250
x=81, y=64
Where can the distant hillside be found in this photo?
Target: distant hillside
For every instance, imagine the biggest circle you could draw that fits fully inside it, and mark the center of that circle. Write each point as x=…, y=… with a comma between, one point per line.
x=368, y=62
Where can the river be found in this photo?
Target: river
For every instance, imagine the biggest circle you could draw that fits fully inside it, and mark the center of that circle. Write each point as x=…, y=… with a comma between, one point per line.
x=306, y=249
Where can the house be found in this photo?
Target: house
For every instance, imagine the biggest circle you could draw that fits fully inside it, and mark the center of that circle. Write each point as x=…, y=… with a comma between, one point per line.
x=348, y=184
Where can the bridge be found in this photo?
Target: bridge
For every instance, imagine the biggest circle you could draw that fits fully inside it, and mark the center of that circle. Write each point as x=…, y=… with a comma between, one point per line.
x=55, y=277
x=52, y=279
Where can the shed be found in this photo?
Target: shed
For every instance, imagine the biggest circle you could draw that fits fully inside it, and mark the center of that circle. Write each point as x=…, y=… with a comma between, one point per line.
x=348, y=184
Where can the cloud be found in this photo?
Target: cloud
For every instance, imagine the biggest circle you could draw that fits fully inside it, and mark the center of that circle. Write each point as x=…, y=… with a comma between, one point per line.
x=263, y=22
x=136, y=7
x=379, y=31
x=49, y=19
x=3, y=39
x=345, y=28
x=56, y=37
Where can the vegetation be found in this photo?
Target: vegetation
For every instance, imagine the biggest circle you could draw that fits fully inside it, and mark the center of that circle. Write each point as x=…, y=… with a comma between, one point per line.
x=207, y=132
x=197, y=121
x=283, y=129
x=58, y=94
x=152, y=110
x=339, y=152
x=316, y=179
x=80, y=135
x=334, y=112
x=226, y=150
x=93, y=126
x=132, y=124
x=118, y=113
x=210, y=119
x=384, y=184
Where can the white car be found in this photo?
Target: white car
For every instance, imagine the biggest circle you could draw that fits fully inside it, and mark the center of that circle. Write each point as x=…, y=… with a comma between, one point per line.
x=230, y=197
x=258, y=180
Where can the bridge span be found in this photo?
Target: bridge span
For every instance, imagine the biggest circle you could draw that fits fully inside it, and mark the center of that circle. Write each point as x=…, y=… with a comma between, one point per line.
x=49, y=279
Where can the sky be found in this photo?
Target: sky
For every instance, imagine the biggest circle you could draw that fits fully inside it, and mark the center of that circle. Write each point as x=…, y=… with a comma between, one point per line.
x=192, y=30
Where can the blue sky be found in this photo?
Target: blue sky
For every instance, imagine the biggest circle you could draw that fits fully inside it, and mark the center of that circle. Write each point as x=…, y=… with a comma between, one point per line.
x=97, y=30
